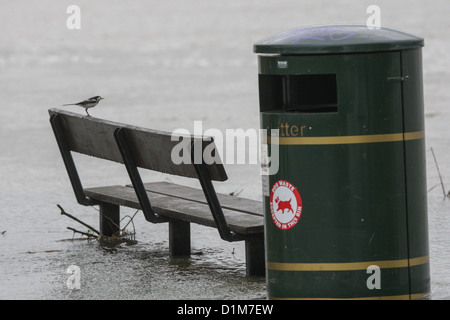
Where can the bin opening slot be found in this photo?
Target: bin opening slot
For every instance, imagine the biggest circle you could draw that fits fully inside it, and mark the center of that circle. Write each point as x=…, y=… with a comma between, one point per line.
x=298, y=93
x=310, y=93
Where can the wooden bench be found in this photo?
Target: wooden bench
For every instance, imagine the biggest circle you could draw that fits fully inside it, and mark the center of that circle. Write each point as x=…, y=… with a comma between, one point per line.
x=236, y=219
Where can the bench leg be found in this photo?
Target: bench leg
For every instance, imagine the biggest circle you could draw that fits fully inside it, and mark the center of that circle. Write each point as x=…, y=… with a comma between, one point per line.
x=109, y=219
x=179, y=238
x=254, y=255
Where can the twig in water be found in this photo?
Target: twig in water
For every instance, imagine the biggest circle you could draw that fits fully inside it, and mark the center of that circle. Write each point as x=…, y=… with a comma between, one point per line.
x=115, y=239
x=132, y=235
x=236, y=193
x=432, y=188
x=45, y=251
x=77, y=220
x=437, y=167
x=110, y=250
x=83, y=233
x=131, y=220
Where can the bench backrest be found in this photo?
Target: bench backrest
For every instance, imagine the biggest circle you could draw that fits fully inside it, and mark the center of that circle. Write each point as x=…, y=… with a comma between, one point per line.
x=151, y=149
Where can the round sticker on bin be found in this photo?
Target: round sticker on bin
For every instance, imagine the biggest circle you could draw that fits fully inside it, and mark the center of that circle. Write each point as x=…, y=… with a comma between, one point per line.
x=285, y=204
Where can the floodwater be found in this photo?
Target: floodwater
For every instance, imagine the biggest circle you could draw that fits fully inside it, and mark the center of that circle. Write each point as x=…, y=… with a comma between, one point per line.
x=164, y=65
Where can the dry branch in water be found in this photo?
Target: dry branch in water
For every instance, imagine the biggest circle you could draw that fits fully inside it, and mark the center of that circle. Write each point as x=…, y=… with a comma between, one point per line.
x=113, y=240
x=83, y=233
x=63, y=212
x=437, y=167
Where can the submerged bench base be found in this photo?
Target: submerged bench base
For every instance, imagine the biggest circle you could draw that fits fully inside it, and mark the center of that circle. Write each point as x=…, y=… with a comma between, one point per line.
x=188, y=206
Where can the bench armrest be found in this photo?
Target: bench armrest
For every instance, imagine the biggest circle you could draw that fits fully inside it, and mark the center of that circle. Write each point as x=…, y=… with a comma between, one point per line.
x=213, y=201
x=69, y=163
x=135, y=177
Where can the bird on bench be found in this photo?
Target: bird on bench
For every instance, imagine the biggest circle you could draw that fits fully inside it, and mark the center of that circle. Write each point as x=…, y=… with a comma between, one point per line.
x=86, y=104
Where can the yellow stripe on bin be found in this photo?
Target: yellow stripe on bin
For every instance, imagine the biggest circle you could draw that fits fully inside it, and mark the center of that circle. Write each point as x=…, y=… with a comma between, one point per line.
x=347, y=266
x=412, y=296
x=371, y=138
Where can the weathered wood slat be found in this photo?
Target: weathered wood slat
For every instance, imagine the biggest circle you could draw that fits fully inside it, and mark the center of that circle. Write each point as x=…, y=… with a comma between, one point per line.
x=178, y=208
x=227, y=202
x=94, y=137
x=151, y=148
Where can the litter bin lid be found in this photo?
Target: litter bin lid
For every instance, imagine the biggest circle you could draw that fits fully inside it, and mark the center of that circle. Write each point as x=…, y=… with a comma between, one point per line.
x=337, y=39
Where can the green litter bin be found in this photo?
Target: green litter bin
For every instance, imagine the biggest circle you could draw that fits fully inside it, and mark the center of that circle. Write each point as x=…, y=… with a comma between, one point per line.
x=346, y=213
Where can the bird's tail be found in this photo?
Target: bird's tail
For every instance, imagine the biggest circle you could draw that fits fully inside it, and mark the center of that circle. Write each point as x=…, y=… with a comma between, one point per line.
x=70, y=104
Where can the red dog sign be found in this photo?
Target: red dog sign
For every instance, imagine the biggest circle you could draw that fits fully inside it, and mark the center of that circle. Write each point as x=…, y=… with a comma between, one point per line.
x=285, y=205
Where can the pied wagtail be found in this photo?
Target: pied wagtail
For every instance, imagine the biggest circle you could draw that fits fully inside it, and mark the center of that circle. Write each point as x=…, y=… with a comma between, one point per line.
x=86, y=104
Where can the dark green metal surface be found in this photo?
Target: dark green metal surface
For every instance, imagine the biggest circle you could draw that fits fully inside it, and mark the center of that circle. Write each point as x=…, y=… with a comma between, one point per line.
x=328, y=39
x=358, y=165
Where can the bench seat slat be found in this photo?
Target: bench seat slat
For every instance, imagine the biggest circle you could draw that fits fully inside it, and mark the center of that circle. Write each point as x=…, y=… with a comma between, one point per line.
x=178, y=208
x=226, y=201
